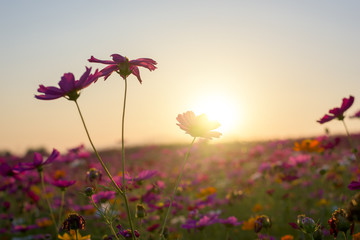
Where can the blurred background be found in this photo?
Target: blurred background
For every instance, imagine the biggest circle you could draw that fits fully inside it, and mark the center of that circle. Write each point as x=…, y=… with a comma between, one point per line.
x=264, y=69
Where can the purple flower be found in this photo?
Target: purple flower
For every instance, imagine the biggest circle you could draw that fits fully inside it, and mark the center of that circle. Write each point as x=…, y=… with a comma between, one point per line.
x=69, y=87
x=63, y=184
x=126, y=233
x=338, y=112
x=39, y=161
x=123, y=66
x=202, y=222
x=230, y=221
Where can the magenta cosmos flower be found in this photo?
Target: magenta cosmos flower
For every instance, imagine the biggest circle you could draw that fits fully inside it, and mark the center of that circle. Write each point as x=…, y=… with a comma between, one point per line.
x=123, y=66
x=69, y=87
x=338, y=112
x=62, y=184
x=39, y=161
x=356, y=115
x=198, y=126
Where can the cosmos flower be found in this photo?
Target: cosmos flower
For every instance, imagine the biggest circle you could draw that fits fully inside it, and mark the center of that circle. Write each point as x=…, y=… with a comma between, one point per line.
x=38, y=161
x=354, y=185
x=126, y=233
x=308, y=145
x=143, y=175
x=356, y=115
x=230, y=221
x=338, y=112
x=63, y=184
x=102, y=197
x=124, y=67
x=68, y=86
x=74, y=235
x=198, y=126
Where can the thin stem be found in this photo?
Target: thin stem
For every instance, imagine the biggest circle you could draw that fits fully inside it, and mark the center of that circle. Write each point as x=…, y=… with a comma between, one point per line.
x=106, y=219
x=96, y=152
x=353, y=149
x=345, y=236
x=62, y=204
x=47, y=200
x=175, y=189
x=76, y=233
x=123, y=163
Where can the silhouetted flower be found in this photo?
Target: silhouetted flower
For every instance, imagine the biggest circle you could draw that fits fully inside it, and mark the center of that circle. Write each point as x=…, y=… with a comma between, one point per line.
x=198, y=126
x=338, y=112
x=69, y=87
x=123, y=66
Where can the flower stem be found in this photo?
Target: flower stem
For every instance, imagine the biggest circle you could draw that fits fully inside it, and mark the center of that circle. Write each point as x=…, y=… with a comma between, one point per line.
x=47, y=200
x=61, y=205
x=353, y=149
x=105, y=218
x=123, y=163
x=175, y=189
x=96, y=152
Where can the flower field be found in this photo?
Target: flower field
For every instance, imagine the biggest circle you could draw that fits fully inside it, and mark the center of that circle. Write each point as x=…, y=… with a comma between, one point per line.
x=283, y=189
x=224, y=189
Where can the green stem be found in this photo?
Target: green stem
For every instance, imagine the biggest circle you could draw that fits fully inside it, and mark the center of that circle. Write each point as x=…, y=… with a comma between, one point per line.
x=47, y=200
x=353, y=149
x=108, y=222
x=123, y=163
x=175, y=189
x=96, y=152
x=345, y=235
x=62, y=204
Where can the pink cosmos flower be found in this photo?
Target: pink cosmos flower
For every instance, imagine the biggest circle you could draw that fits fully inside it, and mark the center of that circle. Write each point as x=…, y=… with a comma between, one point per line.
x=354, y=185
x=124, y=67
x=69, y=87
x=62, y=184
x=356, y=115
x=198, y=126
x=338, y=112
x=102, y=197
x=39, y=161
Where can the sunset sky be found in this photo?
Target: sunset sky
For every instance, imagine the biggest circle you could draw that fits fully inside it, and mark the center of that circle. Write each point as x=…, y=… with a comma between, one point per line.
x=263, y=69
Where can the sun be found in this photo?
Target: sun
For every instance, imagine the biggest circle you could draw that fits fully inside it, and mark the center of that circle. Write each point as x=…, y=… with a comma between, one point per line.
x=219, y=108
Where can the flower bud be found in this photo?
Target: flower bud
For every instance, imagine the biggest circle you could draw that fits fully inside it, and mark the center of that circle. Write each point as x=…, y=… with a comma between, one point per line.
x=299, y=221
x=353, y=209
x=140, y=211
x=339, y=222
x=89, y=191
x=308, y=225
x=93, y=175
x=262, y=222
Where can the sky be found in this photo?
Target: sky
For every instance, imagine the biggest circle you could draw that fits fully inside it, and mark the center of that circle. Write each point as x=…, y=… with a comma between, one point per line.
x=264, y=69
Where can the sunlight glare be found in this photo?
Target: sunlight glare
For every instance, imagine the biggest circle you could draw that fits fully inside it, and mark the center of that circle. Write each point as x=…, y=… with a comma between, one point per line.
x=218, y=108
